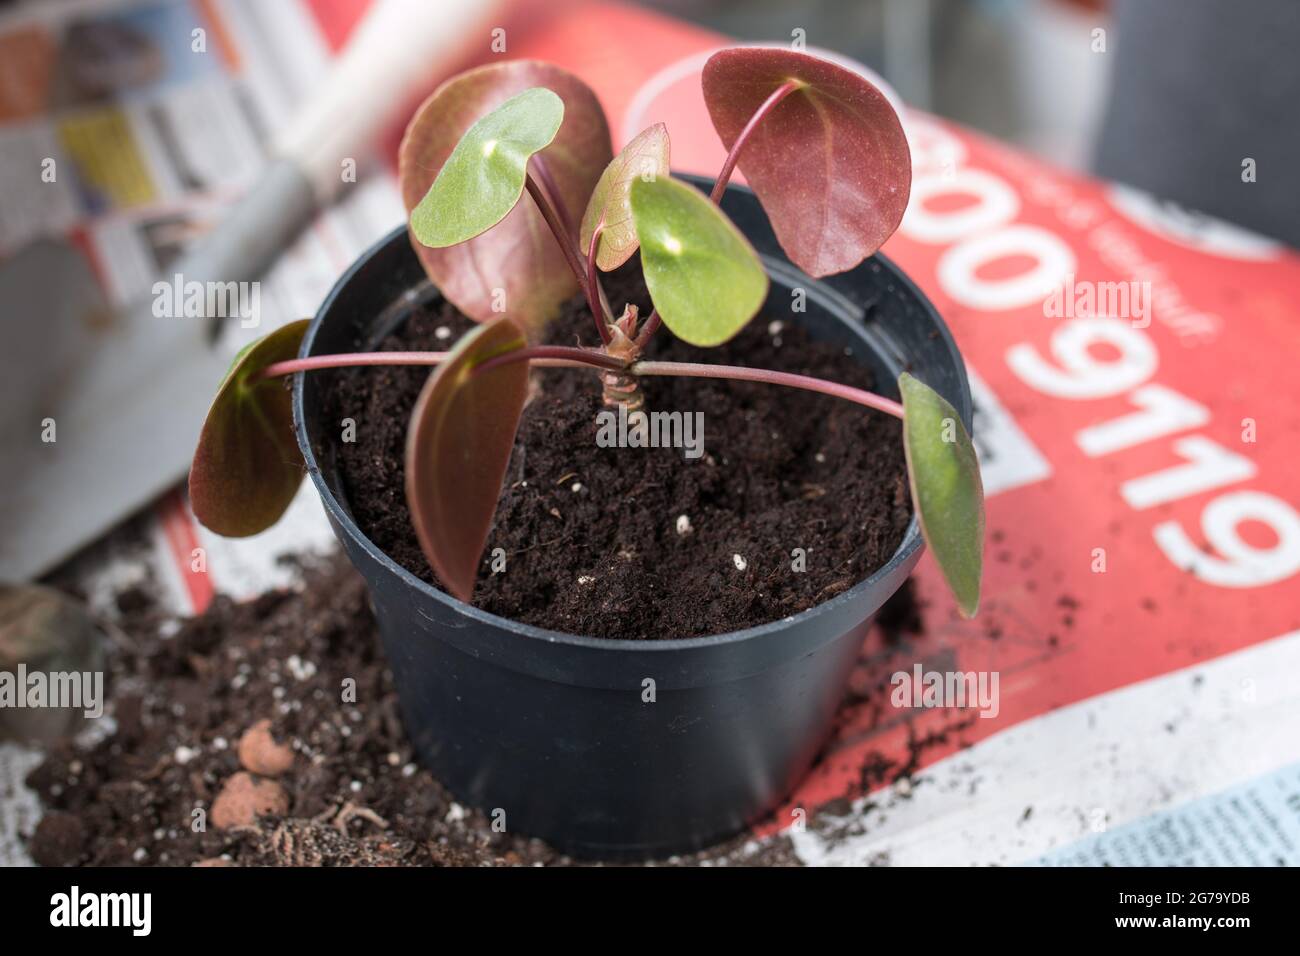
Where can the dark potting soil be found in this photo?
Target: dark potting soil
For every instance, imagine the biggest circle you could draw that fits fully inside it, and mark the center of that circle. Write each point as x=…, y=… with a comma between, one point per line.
x=234, y=745
x=642, y=543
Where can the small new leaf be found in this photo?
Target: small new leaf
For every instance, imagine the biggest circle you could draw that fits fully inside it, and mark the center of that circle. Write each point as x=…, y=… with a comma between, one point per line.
x=646, y=157
x=457, y=448
x=946, y=488
x=483, y=178
x=247, y=466
x=702, y=274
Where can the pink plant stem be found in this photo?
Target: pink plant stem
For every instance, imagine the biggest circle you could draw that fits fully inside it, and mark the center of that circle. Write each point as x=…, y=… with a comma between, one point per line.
x=555, y=220
x=728, y=167
x=651, y=326
x=349, y=359
x=555, y=356
x=724, y=176
x=789, y=379
x=544, y=177
x=544, y=356
x=599, y=306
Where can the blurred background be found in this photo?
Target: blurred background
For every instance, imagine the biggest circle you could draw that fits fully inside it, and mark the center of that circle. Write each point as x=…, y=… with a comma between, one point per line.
x=1014, y=69
x=1166, y=95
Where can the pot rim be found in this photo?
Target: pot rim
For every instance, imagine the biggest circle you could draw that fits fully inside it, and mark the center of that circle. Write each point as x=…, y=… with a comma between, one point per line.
x=912, y=541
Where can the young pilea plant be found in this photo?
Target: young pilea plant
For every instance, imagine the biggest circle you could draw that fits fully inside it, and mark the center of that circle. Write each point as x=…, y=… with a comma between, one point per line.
x=827, y=158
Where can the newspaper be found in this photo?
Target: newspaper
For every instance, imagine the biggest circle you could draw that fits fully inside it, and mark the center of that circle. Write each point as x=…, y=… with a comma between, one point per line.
x=151, y=116
x=125, y=131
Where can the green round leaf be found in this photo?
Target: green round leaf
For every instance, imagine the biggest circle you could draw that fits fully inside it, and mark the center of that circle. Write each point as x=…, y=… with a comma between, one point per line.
x=946, y=488
x=458, y=447
x=830, y=163
x=484, y=176
x=518, y=258
x=247, y=466
x=703, y=275
x=646, y=156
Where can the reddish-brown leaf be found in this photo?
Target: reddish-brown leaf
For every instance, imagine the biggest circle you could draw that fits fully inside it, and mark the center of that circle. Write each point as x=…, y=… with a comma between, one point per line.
x=457, y=449
x=518, y=256
x=830, y=163
x=247, y=466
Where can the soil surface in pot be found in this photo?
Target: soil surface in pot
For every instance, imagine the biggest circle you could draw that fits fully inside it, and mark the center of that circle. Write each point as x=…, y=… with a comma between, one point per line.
x=643, y=543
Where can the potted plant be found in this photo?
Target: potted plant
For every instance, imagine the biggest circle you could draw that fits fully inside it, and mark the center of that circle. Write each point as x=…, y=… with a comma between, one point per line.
x=612, y=747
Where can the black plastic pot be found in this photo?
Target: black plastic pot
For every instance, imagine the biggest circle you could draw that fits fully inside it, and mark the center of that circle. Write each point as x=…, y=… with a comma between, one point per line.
x=552, y=728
